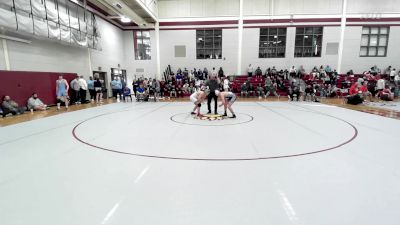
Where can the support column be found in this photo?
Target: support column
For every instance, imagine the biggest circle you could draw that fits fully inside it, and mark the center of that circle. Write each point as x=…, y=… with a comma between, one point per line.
x=341, y=41
x=240, y=38
x=90, y=62
x=6, y=56
x=158, y=63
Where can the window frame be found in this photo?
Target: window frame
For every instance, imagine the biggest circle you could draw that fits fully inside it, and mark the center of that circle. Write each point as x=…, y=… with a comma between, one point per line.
x=313, y=35
x=215, y=47
x=139, y=50
x=368, y=46
x=268, y=52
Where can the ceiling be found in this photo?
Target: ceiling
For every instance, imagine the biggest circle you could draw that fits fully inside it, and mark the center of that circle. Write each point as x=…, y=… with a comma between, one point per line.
x=112, y=10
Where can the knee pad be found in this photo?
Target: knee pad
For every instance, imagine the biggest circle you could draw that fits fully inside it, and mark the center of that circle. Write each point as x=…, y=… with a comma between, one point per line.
x=59, y=100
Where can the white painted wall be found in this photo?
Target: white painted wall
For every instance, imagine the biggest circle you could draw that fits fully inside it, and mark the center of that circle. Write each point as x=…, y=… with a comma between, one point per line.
x=371, y=6
x=170, y=38
x=287, y=7
x=131, y=64
x=351, y=51
x=2, y=60
x=251, y=47
x=197, y=8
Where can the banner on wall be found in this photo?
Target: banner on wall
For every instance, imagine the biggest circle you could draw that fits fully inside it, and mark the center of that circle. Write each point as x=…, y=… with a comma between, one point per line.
x=54, y=30
x=25, y=23
x=38, y=8
x=51, y=9
x=40, y=27
x=7, y=19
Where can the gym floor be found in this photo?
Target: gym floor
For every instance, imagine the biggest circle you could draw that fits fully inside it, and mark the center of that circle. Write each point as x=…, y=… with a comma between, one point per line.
x=278, y=162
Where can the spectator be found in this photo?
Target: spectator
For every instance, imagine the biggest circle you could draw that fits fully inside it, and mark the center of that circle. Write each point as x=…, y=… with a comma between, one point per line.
x=34, y=103
x=205, y=72
x=355, y=96
x=292, y=72
x=380, y=85
x=83, y=89
x=214, y=74
x=127, y=93
x=156, y=88
x=301, y=72
x=250, y=90
x=75, y=87
x=309, y=93
x=10, y=106
x=365, y=92
x=250, y=71
x=270, y=87
x=92, y=92
x=260, y=91
x=98, y=87
x=375, y=70
x=328, y=71
x=392, y=74
x=331, y=90
x=172, y=90
x=243, y=90
x=258, y=72
x=220, y=73
x=142, y=94
x=294, y=90
x=115, y=87
x=386, y=94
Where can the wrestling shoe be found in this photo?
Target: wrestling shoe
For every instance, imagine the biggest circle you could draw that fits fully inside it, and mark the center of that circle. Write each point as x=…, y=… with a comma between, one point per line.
x=233, y=116
x=192, y=113
x=225, y=114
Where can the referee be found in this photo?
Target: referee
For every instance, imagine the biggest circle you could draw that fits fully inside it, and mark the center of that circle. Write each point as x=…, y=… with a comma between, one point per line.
x=212, y=85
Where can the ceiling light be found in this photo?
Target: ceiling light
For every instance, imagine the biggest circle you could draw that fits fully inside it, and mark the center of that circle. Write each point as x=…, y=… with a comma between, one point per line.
x=125, y=19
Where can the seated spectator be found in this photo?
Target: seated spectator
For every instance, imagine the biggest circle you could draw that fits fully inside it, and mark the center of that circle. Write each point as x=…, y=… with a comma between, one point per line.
x=34, y=103
x=375, y=70
x=309, y=93
x=126, y=93
x=294, y=90
x=251, y=90
x=258, y=72
x=331, y=91
x=172, y=90
x=366, y=93
x=301, y=72
x=142, y=94
x=260, y=91
x=380, y=85
x=10, y=106
x=270, y=87
x=243, y=90
x=355, y=96
x=386, y=94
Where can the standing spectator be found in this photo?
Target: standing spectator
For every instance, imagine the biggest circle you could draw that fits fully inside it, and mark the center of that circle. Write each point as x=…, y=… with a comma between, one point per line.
x=75, y=87
x=62, y=88
x=214, y=74
x=205, y=72
x=375, y=70
x=92, y=92
x=10, y=106
x=83, y=89
x=135, y=85
x=328, y=71
x=250, y=71
x=212, y=85
x=156, y=88
x=115, y=87
x=392, y=74
x=98, y=87
x=220, y=73
x=292, y=72
x=34, y=103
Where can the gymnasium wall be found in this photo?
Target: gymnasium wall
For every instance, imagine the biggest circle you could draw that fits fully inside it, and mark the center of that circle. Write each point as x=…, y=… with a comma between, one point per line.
x=351, y=51
x=170, y=38
x=251, y=38
x=2, y=60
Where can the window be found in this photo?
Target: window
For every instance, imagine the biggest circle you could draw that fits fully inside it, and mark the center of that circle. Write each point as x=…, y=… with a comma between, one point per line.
x=272, y=43
x=308, y=42
x=142, y=45
x=209, y=44
x=374, y=41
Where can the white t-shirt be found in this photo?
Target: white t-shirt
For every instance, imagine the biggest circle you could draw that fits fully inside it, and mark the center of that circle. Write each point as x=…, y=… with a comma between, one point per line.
x=380, y=84
x=393, y=73
x=226, y=83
